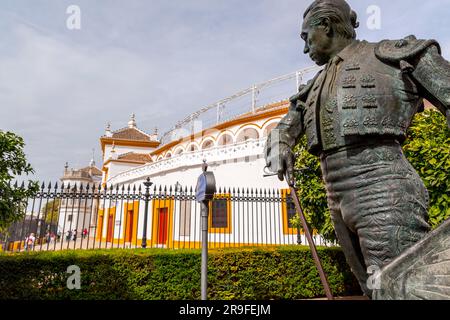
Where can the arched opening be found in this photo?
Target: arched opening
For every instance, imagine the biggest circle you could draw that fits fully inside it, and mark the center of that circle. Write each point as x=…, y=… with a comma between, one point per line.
x=269, y=128
x=208, y=144
x=247, y=134
x=225, y=140
x=192, y=148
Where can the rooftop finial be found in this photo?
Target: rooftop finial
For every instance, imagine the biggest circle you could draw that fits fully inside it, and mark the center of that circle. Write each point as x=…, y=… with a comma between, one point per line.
x=108, y=130
x=92, y=163
x=132, y=122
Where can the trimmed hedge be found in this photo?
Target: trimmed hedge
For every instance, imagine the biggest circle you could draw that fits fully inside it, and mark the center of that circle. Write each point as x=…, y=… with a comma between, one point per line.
x=158, y=274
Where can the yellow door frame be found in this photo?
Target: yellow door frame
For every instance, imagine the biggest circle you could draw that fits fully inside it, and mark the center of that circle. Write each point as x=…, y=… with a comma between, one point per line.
x=158, y=204
x=228, y=229
x=134, y=207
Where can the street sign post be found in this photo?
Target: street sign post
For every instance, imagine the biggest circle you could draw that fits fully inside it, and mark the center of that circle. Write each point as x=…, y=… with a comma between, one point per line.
x=204, y=192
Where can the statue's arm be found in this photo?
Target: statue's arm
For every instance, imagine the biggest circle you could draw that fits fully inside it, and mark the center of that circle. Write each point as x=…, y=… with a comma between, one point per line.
x=283, y=138
x=432, y=74
x=291, y=127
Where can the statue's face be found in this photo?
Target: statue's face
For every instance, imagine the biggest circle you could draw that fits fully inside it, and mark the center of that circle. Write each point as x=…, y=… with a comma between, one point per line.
x=318, y=43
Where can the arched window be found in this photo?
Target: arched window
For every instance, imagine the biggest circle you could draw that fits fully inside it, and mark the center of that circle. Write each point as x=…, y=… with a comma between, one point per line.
x=208, y=144
x=178, y=151
x=168, y=155
x=247, y=134
x=192, y=148
x=225, y=140
x=269, y=128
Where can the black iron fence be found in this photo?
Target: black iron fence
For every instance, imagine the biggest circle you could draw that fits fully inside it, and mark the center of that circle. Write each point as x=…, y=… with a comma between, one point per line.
x=92, y=216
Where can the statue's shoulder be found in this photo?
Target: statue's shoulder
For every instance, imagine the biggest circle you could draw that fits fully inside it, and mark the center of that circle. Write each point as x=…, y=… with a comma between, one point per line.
x=394, y=51
x=304, y=89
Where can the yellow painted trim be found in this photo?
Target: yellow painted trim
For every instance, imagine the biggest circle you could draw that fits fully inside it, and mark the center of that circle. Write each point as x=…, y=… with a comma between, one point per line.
x=133, y=206
x=286, y=230
x=111, y=212
x=101, y=222
x=127, y=143
x=218, y=245
x=225, y=133
x=175, y=150
x=225, y=125
x=124, y=161
x=106, y=169
x=272, y=120
x=158, y=204
x=248, y=126
x=100, y=217
x=228, y=229
x=206, y=139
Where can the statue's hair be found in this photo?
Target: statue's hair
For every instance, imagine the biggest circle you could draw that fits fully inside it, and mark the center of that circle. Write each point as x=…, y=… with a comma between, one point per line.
x=343, y=18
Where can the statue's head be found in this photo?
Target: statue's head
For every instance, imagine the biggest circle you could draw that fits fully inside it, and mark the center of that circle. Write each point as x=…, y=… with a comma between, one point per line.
x=327, y=25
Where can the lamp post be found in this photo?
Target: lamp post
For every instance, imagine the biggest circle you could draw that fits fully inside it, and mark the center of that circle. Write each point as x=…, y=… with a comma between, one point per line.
x=147, y=185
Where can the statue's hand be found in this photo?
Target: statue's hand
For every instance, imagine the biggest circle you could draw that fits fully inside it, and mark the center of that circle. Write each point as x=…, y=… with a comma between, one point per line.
x=279, y=158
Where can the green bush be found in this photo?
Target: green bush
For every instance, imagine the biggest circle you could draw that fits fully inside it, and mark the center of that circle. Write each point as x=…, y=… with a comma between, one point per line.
x=427, y=149
x=158, y=274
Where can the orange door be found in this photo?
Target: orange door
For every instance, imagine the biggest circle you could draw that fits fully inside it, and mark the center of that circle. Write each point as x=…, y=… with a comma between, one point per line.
x=162, y=225
x=109, y=233
x=129, y=227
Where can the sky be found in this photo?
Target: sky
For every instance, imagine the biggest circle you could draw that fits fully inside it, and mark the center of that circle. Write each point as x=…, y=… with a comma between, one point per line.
x=159, y=59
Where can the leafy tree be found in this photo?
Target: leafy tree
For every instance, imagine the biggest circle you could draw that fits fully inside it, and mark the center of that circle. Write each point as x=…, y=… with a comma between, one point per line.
x=13, y=198
x=427, y=149
x=51, y=211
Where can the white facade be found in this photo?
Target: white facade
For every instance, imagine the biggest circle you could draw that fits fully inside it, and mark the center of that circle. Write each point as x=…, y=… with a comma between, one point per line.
x=235, y=154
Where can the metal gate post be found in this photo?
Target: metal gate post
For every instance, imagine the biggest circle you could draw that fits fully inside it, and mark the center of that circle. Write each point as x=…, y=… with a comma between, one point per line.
x=147, y=185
